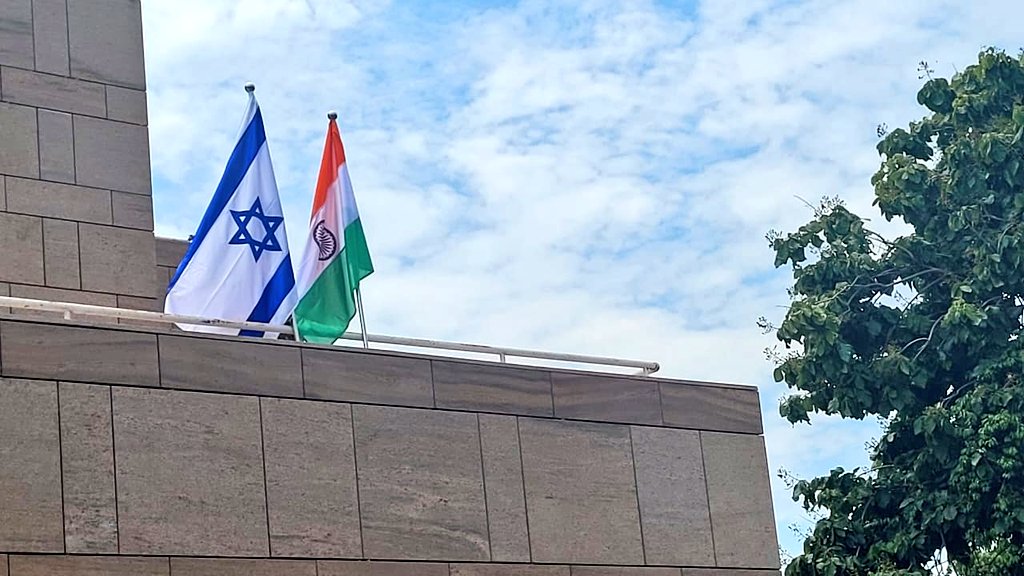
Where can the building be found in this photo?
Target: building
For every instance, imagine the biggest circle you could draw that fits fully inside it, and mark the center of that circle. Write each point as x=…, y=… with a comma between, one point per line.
x=130, y=449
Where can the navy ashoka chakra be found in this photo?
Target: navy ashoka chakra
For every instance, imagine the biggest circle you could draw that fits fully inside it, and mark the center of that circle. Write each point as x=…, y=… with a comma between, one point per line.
x=325, y=240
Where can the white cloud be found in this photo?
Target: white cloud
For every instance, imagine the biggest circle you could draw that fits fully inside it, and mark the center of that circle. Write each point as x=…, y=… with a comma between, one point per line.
x=590, y=177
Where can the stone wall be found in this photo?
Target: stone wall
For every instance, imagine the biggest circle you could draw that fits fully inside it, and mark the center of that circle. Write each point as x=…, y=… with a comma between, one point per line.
x=125, y=442
x=76, y=217
x=123, y=566
x=169, y=253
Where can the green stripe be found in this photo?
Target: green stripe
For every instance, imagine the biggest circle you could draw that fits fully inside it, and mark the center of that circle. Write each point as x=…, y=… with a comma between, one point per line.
x=325, y=311
x=359, y=264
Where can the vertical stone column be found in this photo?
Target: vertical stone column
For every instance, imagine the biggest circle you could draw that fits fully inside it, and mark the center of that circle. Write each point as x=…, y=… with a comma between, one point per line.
x=76, y=213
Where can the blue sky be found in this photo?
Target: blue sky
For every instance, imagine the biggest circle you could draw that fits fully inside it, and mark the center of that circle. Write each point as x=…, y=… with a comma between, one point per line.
x=584, y=176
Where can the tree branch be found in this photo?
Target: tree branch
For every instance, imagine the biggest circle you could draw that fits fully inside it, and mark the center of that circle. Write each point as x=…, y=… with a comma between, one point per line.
x=928, y=341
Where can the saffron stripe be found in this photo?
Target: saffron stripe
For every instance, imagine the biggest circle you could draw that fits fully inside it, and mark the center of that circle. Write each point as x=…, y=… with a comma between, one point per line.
x=280, y=285
x=241, y=159
x=333, y=159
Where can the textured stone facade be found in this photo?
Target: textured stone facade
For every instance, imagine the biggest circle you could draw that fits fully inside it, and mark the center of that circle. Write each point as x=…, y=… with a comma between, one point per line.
x=146, y=443
x=76, y=217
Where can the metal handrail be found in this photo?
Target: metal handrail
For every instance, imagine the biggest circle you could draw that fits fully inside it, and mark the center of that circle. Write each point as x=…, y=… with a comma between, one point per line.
x=70, y=310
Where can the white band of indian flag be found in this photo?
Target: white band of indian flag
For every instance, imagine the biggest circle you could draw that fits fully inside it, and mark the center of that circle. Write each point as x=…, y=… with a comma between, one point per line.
x=336, y=257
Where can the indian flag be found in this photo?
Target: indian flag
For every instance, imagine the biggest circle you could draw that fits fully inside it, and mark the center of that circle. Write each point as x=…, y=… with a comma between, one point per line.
x=336, y=257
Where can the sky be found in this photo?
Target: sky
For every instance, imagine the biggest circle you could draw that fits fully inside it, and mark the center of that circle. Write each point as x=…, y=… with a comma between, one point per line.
x=588, y=176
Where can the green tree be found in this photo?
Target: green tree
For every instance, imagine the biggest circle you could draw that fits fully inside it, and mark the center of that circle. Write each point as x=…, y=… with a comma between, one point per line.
x=923, y=332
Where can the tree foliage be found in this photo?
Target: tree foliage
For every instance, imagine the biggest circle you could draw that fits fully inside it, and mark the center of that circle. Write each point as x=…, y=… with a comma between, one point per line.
x=923, y=332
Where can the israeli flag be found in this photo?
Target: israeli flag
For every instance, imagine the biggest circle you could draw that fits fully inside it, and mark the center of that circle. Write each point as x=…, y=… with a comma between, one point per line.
x=237, y=266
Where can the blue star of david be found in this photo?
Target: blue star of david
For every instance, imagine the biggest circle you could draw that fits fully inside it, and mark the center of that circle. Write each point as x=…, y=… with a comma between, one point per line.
x=269, y=242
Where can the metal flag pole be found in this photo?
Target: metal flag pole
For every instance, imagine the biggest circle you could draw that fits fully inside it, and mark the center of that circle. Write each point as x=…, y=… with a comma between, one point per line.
x=362, y=317
x=332, y=116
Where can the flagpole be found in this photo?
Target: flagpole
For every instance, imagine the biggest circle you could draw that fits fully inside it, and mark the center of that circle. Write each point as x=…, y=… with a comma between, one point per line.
x=362, y=317
x=332, y=116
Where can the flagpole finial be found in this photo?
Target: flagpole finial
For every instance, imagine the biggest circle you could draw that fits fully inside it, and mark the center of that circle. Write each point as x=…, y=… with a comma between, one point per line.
x=332, y=115
x=250, y=87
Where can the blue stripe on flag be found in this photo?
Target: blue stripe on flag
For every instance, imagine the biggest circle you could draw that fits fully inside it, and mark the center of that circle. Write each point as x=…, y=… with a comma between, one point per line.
x=238, y=165
x=277, y=289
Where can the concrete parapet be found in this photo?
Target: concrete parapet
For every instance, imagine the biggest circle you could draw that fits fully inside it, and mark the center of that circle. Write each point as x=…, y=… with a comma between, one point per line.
x=151, y=443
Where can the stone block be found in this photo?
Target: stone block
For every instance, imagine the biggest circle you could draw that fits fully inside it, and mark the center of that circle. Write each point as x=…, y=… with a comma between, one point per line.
x=580, y=492
x=622, y=571
x=420, y=484
x=3, y=193
x=503, y=483
x=706, y=407
x=50, y=27
x=133, y=210
x=138, y=303
x=169, y=252
x=112, y=155
x=54, y=92
x=311, y=479
x=199, y=363
x=54, y=200
x=117, y=260
x=588, y=397
x=56, y=147
x=740, y=499
x=728, y=572
x=373, y=378
x=492, y=388
x=673, y=497
x=126, y=105
x=62, y=295
x=146, y=304
x=19, y=148
x=87, y=566
x=3, y=564
x=59, y=295
x=78, y=354
x=30, y=493
x=189, y=473
x=87, y=458
x=241, y=567
x=363, y=568
x=508, y=570
x=16, y=40
x=60, y=253
x=106, y=42
x=21, y=259
x=165, y=279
